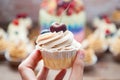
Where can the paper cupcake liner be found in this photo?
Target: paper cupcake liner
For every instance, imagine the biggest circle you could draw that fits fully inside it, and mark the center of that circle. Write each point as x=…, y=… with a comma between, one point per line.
x=58, y=60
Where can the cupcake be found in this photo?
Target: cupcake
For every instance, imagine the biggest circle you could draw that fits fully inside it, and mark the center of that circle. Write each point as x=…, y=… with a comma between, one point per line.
x=116, y=17
x=17, y=30
x=97, y=42
x=3, y=43
x=16, y=52
x=104, y=24
x=114, y=48
x=99, y=46
x=90, y=59
x=58, y=47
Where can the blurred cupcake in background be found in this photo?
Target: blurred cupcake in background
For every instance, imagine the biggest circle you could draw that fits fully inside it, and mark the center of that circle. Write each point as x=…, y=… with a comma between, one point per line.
x=3, y=43
x=19, y=27
x=116, y=17
x=97, y=42
x=114, y=46
x=16, y=31
x=106, y=26
x=90, y=59
x=16, y=52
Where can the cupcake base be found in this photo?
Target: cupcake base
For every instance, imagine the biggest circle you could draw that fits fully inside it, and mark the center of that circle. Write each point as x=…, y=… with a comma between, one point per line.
x=58, y=60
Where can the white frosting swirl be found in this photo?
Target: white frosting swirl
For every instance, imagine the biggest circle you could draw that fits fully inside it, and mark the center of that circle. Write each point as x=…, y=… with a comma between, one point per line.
x=57, y=41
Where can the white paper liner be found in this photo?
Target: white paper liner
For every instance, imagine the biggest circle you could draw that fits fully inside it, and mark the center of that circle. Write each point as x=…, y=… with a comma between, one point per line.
x=58, y=59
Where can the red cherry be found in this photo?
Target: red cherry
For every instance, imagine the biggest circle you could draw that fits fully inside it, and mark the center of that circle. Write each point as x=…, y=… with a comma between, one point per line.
x=15, y=21
x=22, y=15
x=56, y=27
x=72, y=4
x=70, y=11
x=107, y=31
x=60, y=11
x=104, y=16
x=65, y=5
x=107, y=20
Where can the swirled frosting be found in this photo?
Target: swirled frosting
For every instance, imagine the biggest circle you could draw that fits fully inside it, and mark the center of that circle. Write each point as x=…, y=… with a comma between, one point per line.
x=57, y=41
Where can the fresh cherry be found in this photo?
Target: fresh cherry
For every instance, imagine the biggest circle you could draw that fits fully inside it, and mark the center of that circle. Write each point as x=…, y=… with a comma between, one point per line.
x=65, y=5
x=56, y=27
x=103, y=16
x=16, y=22
x=72, y=4
x=107, y=31
x=22, y=15
x=60, y=11
x=107, y=20
x=70, y=11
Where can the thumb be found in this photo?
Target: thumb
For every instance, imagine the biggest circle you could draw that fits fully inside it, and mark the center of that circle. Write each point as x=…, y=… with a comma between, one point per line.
x=78, y=66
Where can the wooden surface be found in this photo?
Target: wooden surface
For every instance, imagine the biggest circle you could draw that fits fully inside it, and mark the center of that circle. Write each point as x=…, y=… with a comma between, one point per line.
x=105, y=69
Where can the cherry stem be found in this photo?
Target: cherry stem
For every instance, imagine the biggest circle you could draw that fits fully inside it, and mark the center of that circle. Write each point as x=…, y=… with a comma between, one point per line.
x=64, y=12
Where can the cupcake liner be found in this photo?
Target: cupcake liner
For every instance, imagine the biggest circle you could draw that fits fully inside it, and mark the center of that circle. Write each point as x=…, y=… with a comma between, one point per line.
x=58, y=60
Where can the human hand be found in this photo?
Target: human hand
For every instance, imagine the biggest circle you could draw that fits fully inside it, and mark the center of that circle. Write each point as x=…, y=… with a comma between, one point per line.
x=27, y=67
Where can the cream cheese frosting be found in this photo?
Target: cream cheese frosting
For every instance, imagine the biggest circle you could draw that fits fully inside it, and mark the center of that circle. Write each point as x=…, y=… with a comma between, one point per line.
x=58, y=41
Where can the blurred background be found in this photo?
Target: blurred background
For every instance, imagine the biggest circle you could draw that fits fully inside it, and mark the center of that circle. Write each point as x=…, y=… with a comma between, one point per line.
x=105, y=68
x=9, y=8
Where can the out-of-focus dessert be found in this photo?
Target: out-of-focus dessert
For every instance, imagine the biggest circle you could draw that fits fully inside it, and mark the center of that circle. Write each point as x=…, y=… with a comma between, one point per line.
x=16, y=52
x=58, y=47
x=114, y=46
x=97, y=42
x=18, y=28
x=90, y=58
x=15, y=31
x=104, y=24
x=3, y=43
x=71, y=11
x=116, y=17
